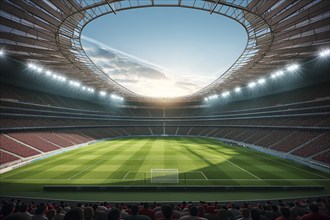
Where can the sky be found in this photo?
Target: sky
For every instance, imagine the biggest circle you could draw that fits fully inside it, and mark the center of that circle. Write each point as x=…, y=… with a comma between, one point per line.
x=164, y=52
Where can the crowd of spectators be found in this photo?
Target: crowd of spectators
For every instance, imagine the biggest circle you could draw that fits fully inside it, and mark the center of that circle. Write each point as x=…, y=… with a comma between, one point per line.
x=305, y=209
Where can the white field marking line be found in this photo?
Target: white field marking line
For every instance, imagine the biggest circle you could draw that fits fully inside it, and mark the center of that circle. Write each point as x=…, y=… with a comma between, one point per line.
x=243, y=169
x=195, y=179
x=204, y=175
x=126, y=175
x=85, y=169
x=293, y=166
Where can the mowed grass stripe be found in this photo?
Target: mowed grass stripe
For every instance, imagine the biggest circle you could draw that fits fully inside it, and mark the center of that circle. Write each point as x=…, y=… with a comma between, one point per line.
x=113, y=149
x=99, y=151
x=110, y=161
x=263, y=163
x=48, y=167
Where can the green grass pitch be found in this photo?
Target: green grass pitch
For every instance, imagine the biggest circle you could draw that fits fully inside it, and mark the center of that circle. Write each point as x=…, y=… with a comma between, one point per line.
x=128, y=161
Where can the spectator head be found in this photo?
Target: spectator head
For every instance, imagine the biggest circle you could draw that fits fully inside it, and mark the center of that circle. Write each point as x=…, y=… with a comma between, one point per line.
x=167, y=211
x=8, y=208
x=201, y=210
x=88, y=213
x=255, y=215
x=146, y=205
x=50, y=214
x=95, y=206
x=275, y=208
x=314, y=208
x=114, y=214
x=222, y=214
x=74, y=214
x=135, y=209
x=41, y=209
x=285, y=212
x=245, y=213
x=58, y=210
x=193, y=210
x=23, y=207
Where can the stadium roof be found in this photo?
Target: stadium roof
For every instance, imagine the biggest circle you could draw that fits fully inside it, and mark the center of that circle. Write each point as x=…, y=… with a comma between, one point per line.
x=48, y=33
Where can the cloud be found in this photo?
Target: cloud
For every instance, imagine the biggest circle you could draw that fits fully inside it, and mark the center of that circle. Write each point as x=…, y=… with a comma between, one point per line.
x=138, y=75
x=116, y=62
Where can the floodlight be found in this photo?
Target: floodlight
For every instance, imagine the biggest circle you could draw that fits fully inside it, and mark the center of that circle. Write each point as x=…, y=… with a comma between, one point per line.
x=32, y=66
x=39, y=69
x=277, y=74
x=293, y=67
x=48, y=73
x=237, y=89
x=324, y=53
x=205, y=99
x=252, y=84
x=74, y=83
x=261, y=81
x=2, y=53
x=225, y=94
x=84, y=88
x=103, y=93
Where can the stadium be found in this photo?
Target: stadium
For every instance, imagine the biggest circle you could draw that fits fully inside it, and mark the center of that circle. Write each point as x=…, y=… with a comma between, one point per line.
x=71, y=129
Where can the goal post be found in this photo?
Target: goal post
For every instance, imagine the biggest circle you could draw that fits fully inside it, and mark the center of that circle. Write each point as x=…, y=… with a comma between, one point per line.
x=164, y=176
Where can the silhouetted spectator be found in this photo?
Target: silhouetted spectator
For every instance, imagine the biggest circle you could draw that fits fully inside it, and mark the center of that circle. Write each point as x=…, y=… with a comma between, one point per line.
x=222, y=214
x=193, y=212
x=314, y=215
x=167, y=212
x=146, y=210
x=88, y=213
x=234, y=212
x=40, y=213
x=285, y=214
x=297, y=210
x=59, y=215
x=50, y=214
x=114, y=214
x=135, y=214
x=245, y=214
x=7, y=209
x=74, y=214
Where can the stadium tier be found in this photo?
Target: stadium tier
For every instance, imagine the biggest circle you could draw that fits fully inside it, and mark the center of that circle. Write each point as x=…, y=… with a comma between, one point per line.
x=297, y=126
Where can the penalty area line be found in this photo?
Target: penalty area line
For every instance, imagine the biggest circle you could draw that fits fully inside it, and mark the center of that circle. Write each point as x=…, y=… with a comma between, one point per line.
x=244, y=169
x=204, y=175
x=126, y=175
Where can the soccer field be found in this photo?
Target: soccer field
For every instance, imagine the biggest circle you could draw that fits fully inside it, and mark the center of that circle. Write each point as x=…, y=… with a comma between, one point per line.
x=129, y=161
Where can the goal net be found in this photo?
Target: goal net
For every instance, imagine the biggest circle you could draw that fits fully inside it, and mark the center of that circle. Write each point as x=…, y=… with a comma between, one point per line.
x=164, y=176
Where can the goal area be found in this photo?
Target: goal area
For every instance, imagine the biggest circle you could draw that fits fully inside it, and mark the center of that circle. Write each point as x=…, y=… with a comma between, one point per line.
x=164, y=176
